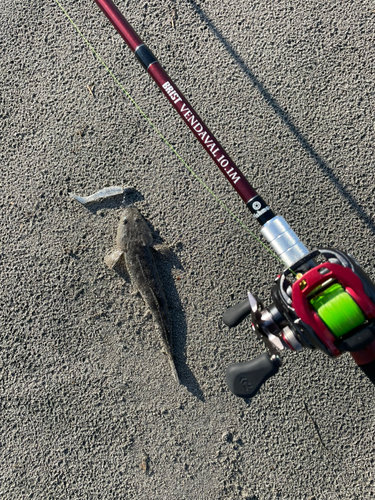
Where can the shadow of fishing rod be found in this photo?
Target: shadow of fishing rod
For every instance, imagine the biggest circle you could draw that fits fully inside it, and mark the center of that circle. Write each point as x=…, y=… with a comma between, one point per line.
x=284, y=116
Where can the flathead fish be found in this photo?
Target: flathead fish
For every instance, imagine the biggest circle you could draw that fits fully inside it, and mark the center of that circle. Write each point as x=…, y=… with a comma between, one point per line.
x=134, y=249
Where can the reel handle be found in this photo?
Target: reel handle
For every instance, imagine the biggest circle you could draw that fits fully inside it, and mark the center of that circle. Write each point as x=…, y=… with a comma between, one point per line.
x=245, y=379
x=237, y=313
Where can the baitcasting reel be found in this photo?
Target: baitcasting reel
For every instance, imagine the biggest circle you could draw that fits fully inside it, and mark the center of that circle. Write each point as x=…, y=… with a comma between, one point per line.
x=323, y=301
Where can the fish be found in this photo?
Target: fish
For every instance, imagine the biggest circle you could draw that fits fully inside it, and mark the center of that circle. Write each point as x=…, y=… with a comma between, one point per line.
x=107, y=192
x=134, y=251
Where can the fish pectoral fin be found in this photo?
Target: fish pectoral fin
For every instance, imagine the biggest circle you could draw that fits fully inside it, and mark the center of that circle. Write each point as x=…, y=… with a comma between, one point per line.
x=161, y=249
x=115, y=259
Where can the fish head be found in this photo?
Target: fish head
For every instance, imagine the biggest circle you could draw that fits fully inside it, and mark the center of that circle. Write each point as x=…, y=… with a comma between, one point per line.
x=133, y=229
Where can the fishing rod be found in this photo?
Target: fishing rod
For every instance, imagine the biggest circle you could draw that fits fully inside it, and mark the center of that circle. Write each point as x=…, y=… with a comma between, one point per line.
x=322, y=300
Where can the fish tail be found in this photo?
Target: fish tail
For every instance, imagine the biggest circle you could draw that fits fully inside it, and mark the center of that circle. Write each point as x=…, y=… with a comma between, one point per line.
x=174, y=371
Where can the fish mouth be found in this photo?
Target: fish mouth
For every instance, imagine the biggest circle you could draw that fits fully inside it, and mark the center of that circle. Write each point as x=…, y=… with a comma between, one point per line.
x=132, y=215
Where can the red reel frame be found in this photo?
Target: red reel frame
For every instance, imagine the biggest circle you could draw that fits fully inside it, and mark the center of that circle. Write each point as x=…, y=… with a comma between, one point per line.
x=314, y=278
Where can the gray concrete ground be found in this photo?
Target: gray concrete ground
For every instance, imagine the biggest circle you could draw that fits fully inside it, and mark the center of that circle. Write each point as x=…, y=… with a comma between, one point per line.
x=89, y=409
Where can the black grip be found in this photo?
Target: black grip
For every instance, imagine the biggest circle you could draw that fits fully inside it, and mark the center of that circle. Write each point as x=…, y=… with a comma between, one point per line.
x=235, y=314
x=245, y=379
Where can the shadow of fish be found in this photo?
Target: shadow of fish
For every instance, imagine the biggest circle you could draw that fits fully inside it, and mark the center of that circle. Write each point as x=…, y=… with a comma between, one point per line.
x=134, y=249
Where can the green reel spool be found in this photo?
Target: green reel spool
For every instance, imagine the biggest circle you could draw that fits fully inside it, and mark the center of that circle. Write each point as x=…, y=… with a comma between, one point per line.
x=337, y=309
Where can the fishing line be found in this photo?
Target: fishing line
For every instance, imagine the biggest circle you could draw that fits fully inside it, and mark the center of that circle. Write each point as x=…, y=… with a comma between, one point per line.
x=165, y=140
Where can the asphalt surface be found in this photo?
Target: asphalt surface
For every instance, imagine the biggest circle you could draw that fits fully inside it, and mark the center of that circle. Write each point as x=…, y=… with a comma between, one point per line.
x=89, y=409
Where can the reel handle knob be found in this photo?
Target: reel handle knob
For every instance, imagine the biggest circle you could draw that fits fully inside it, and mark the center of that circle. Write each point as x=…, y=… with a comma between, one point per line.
x=245, y=379
x=237, y=313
